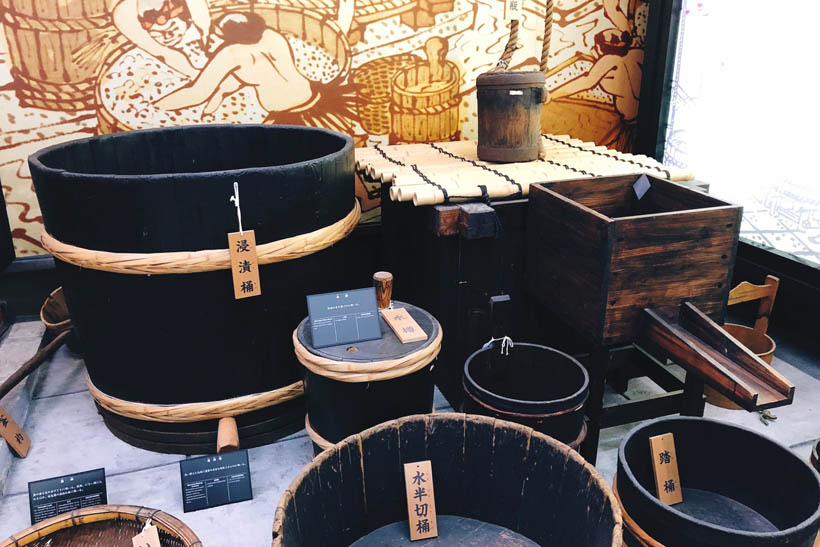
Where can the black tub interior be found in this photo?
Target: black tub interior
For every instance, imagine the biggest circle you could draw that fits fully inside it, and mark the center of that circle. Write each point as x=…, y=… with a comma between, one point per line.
x=195, y=149
x=528, y=373
x=720, y=462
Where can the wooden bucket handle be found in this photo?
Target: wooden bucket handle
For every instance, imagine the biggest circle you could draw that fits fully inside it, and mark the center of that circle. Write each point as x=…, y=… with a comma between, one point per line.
x=766, y=293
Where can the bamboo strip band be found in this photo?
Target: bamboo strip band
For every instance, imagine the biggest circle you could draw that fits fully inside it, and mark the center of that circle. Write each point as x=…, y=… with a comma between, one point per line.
x=99, y=513
x=374, y=371
x=320, y=441
x=637, y=532
x=183, y=262
x=195, y=412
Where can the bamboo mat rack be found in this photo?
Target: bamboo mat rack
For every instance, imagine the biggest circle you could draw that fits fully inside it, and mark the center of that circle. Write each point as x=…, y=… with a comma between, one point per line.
x=434, y=173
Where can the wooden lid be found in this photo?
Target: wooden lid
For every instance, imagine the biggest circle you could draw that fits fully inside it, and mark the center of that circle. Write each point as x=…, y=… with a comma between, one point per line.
x=532, y=78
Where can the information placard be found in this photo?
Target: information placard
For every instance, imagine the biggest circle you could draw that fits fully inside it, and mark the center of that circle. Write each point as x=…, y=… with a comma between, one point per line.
x=343, y=317
x=51, y=497
x=211, y=481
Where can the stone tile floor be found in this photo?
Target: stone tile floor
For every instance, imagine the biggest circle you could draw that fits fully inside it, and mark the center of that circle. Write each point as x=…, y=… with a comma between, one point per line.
x=69, y=436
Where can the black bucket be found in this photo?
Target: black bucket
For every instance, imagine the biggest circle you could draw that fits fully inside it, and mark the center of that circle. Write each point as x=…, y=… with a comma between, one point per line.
x=182, y=337
x=339, y=409
x=740, y=489
x=533, y=385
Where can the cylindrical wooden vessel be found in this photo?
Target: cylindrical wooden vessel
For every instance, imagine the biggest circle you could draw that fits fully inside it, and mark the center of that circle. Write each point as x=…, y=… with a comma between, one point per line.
x=43, y=38
x=109, y=525
x=739, y=488
x=337, y=409
x=761, y=344
x=533, y=385
x=423, y=109
x=485, y=469
x=509, y=115
x=183, y=337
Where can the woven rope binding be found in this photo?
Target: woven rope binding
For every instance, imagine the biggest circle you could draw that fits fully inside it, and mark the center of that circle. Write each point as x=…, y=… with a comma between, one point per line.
x=195, y=412
x=373, y=371
x=184, y=262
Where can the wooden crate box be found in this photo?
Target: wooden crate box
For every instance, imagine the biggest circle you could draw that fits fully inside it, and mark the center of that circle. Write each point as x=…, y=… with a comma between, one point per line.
x=598, y=253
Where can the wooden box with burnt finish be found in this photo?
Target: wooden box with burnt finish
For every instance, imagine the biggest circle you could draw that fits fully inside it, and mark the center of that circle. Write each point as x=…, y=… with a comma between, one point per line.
x=601, y=250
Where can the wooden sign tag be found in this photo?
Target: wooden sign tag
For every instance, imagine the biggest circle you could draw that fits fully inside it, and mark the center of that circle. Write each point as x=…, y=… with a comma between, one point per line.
x=244, y=264
x=149, y=537
x=513, y=10
x=665, y=466
x=17, y=439
x=421, y=500
x=403, y=325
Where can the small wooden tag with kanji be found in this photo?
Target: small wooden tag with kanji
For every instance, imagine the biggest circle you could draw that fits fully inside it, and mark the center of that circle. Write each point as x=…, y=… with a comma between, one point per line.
x=403, y=325
x=149, y=537
x=421, y=500
x=17, y=439
x=665, y=466
x=244, y=264
x=513, y=9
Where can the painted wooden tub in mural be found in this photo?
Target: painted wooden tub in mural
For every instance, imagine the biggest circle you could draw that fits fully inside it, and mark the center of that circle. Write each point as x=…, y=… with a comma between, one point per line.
x=45, y=39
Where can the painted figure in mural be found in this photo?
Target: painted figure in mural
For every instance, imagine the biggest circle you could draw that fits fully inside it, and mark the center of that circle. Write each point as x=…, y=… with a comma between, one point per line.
x=617, y=69
x=157, y=26
x=248, y=54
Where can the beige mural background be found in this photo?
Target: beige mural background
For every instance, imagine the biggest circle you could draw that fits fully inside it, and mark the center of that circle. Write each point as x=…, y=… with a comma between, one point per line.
x=383, y=71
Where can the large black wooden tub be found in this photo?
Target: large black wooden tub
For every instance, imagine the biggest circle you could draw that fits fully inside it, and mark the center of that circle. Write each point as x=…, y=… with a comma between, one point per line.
x=740, y=489
x=182, y=337
x=484, y=469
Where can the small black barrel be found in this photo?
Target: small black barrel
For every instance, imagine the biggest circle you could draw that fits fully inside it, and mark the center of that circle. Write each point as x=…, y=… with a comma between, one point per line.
x=484, y=469
x=533, y=385
x=337, y=409
x=740, y=489
x=183, y=337
x=509, y=115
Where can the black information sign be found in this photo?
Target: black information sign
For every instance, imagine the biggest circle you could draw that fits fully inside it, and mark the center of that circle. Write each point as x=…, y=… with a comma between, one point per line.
x=51, y=497
x=344, y=317
x=210, y=481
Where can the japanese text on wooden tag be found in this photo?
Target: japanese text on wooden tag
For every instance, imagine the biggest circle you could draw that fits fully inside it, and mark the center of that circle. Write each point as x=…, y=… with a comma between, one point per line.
x=421, y=501
x=513, y=9
x=149, y=537
x=403, y=325
x=18, y=441
x=244, y=264
x=665, y=466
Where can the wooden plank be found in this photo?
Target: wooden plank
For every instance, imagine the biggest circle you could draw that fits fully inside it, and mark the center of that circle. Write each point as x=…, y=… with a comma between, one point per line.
x=568, y=259
x=421, y=500
x=644, y=409
x=665, y=468
x=664, y=260
x=772, y=385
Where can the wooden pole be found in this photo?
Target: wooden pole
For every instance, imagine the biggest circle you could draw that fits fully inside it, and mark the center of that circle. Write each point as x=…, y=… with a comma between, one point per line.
x=227, y=436
x=29, y=366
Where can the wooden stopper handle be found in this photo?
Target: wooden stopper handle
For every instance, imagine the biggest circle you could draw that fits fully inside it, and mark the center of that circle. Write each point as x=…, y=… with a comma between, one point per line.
x=227, y=436
x=383, y=281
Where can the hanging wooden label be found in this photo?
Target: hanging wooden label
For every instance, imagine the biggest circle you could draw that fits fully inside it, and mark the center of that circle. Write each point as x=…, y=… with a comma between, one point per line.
x=403, y=325
x=17, y=439
x=244, y=264
x=665, y=466
x=149, y=537
x=421, y=500
x=513, y=9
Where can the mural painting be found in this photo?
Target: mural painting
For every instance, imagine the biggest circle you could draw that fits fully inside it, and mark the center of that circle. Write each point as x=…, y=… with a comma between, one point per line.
x=383, y=71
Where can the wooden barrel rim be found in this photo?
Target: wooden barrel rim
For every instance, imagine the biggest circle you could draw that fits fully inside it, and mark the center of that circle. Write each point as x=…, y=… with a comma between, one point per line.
x=645, y=539
x=165, y=522
x=580, y=395
x=595, y=476
x=521, y=414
